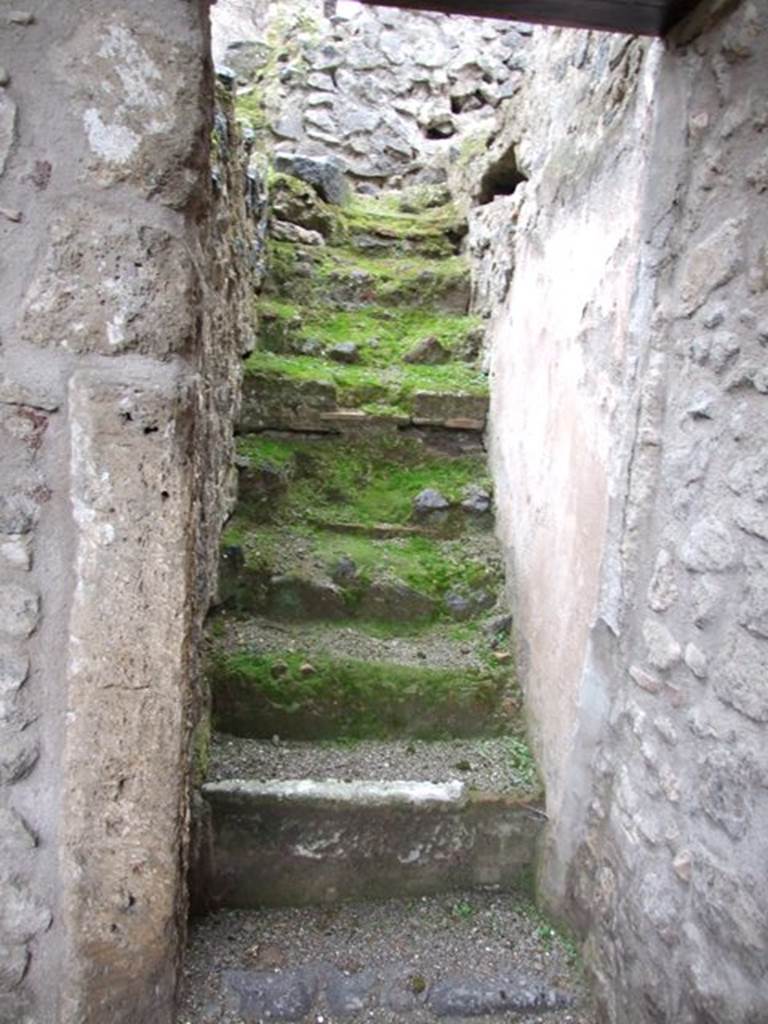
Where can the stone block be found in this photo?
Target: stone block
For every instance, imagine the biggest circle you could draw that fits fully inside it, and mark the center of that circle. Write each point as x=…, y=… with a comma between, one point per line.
x=709, y=264
x=729, y=909
x=264, y=995
x=14, y=669
x=19, y=610
x=662, y=649
x=19, y=753
x=112, y=286
x=13, y=966
x=429, y=405
x=460, y=996
x=123, y=794
x=16, y=551
x=710, y=547
x=22, y=917
x=740, y=675
x=726, y=789
x=16, y=839
x=302, y=842
x=662, y=589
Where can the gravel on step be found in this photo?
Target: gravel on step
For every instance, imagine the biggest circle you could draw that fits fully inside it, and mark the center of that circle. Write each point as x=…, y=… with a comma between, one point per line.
x=486, y=764
x=393, y=961
x=430, y=649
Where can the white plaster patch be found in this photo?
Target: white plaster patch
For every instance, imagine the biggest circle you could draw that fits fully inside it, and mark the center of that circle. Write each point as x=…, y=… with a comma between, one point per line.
x=113, y=142
x=138, y=74
x=361, y=792
x=134, y=97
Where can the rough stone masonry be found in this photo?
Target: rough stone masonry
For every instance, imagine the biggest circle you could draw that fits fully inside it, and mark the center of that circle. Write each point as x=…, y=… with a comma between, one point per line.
x=122, y=323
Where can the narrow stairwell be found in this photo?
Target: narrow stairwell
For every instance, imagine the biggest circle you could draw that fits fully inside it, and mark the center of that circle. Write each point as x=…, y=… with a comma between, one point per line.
x=368, y=741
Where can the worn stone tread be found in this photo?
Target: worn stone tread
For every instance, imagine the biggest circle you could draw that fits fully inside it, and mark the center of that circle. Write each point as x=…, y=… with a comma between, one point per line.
x=492, y=763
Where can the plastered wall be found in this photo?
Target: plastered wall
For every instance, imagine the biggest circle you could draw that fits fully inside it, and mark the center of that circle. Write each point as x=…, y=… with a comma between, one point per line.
x=628, y=442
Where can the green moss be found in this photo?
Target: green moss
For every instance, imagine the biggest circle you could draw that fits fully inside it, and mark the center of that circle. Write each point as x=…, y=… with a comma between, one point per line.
x=339, y=698
x=383, y=334
x=249, y=108
x=381, y=221
x=366, y=482
x=201, y=750
x=472, y=147
x=429, y=565
x=351, y=279
x=360, y=385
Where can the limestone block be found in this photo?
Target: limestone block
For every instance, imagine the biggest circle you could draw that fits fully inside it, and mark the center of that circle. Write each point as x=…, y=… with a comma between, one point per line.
x=18, y=513
x=13, y=966
x=122, y=807
x=21, y=915
x=15, y=551
x=112, y=286
x=710, y=547
x=14, y=668
x=662, y=590
x=730, y=908
x=19, y=753
x=709, y=265
x=663, y=650
x=740, y=675
x=726, y=790
x=696, y=660
x=753, y=611
x=705, y=595
x=19, y=610
x=7, y=129
x=139, y=93
x=16, y=839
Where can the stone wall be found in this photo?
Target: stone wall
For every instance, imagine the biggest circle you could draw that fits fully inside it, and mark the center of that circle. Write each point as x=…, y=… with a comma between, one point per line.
x=629, y=437
x=121, y=327
x=391, y=94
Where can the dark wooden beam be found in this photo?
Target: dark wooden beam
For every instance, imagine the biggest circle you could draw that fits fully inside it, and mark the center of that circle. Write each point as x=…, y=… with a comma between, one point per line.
x=635, y=17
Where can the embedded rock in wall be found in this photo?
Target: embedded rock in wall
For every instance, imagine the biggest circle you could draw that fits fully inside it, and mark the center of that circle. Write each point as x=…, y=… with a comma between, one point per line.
x=392, y=93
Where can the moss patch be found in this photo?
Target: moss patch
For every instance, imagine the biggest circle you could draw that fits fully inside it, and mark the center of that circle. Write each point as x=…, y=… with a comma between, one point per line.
x=383, y=335
x=383, y=390
x=258, y=695
x=365, y=483
x=315, y=274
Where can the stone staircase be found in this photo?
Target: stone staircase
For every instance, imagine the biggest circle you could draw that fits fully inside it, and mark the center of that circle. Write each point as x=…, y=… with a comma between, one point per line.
x=368, y=741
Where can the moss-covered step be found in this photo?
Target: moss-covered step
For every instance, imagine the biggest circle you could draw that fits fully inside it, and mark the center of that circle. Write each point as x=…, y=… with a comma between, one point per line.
x=306, y=393
x=383, y=336
x=369, y=224
x=305, y=572
x=332, y=275
x=292, y=843
x=262, y=695
x=364, y=483
x=380, y=224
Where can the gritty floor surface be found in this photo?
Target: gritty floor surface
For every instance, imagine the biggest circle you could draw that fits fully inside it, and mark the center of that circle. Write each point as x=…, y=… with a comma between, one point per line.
x=430, y=648
x=415, y=948
x=485, y=764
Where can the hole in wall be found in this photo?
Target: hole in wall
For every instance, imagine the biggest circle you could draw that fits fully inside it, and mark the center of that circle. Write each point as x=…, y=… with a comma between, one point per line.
x=501, y=178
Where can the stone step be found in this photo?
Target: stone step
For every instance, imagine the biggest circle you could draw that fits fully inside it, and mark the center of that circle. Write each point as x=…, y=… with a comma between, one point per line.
x=260, y=695
x=501, y=764
x=313, y=841
x=453, y=957
x=273, y=400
